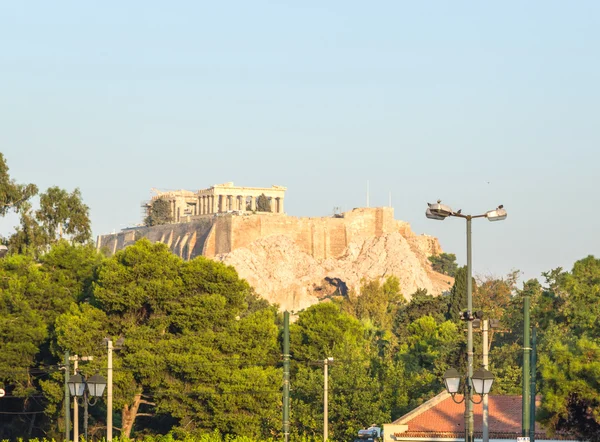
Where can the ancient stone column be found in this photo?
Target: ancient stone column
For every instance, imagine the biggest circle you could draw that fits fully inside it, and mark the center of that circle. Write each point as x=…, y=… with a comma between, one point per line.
x=253, y=203
x=215, y=203
x=280, y=204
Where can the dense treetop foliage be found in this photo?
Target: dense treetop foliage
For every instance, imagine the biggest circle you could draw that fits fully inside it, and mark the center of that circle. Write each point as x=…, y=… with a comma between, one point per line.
x=444, y=263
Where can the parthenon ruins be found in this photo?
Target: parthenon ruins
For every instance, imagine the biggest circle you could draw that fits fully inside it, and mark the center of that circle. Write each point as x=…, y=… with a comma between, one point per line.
x=220, y=198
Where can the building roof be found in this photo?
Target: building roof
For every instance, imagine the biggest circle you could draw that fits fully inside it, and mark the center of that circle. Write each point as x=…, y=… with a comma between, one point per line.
x=442, y=417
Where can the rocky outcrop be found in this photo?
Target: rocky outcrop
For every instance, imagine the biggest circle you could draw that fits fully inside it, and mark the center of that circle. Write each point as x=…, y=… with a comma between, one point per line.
x=284, y=274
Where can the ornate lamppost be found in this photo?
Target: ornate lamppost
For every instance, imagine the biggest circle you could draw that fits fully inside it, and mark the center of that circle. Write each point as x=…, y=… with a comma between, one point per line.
x=89, y=390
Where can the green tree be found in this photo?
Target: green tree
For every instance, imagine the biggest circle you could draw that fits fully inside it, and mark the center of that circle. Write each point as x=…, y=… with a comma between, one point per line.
x=377, y=303
x=420, y=304
x=570, y=349
x=29, y=237
x=197, y=341
x=357, y=394
x=428, y=351
x=444, y=263
x=458, y=294
x=12, y=195
x=34, y=293
x=493, y=295
x=263, y=204
x=64, y=214
x=159, y=213
x=61, y=215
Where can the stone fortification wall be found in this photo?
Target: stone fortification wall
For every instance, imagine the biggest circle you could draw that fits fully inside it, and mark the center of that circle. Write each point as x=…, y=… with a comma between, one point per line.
x=186, y=240
x=321, y=238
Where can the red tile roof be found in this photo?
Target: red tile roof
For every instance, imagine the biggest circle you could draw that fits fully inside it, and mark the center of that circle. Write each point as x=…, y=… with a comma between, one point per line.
x=446, y=418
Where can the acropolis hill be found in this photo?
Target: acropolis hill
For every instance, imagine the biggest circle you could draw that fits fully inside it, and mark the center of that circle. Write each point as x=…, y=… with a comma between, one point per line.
x=292, y=261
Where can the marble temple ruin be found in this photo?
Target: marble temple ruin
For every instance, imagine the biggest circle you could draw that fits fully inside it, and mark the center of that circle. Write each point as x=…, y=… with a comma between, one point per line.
x=220, y=198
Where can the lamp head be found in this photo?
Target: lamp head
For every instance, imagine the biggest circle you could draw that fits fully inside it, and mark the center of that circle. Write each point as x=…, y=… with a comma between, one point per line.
x=496, y=215
x=452, y=380
x=482, y=381
x=76, y=385
x=96, y=385
x=439, y=209
x=429, y=214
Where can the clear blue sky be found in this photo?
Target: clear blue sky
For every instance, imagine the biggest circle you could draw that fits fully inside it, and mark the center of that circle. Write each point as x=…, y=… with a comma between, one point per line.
x=476, y=103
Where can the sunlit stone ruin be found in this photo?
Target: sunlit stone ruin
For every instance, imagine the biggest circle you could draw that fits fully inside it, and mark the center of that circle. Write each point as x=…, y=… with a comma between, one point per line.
x=218, y=199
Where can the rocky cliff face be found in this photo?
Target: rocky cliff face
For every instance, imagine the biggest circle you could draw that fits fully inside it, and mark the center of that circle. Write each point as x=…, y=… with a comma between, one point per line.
x=283, y=273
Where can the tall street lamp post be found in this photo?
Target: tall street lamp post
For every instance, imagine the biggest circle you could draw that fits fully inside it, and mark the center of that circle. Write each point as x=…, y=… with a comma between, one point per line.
x=439, y=211
x=79, y=386
x=326, y=363
x=109, y=389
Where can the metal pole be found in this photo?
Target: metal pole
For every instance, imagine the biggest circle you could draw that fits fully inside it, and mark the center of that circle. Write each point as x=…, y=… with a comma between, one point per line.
x=286, y=375
x=109, y=392
x=468, y=402
x=486, y=435
x=533, y=379
x=67, y=399
x=526, y=359
x=75, y=407
x=325, y=399
x=85, y=414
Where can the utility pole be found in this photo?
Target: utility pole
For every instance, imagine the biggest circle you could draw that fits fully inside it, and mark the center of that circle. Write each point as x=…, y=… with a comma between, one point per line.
x=75, y=360
x=485, y=329
x=533, y=379
x=286, y=375
x=109, y=391
x=526, y=359
x=67, y=399
x=326, y=399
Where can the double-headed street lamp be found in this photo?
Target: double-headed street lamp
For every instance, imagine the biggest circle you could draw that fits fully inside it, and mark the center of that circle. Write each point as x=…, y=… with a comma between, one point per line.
x=79, y=386
x=481, y=382
x=439, y=211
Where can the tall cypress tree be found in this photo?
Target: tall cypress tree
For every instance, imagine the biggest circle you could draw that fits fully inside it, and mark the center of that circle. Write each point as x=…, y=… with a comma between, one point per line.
x=458, y=294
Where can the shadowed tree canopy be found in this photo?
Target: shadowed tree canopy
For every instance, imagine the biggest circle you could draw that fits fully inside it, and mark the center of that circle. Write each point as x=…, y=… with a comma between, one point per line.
x=458, y=294
x=12, y=195
x=159, y=213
